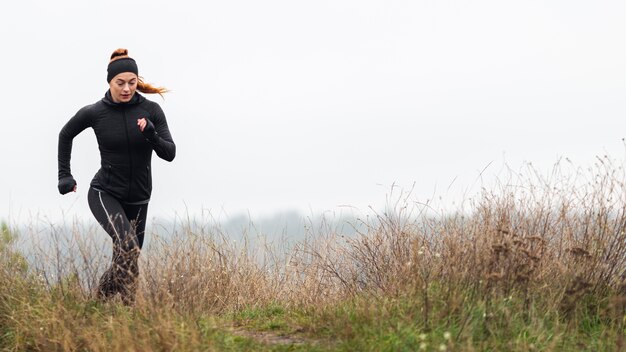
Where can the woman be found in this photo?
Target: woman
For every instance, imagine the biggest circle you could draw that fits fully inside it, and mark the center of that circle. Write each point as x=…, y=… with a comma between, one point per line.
x=128, y=128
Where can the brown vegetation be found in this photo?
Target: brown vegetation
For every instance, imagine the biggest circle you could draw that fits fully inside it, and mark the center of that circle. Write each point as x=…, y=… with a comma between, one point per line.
x=556, y=243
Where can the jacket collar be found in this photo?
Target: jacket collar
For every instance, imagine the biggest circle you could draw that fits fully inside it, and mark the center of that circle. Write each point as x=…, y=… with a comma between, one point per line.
x=136, y=99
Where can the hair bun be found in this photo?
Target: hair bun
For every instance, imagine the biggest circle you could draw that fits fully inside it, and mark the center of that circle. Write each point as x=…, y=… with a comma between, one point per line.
x=119, y=52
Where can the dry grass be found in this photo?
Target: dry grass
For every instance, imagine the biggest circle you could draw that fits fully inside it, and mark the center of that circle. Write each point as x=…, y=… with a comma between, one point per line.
x=555, y=242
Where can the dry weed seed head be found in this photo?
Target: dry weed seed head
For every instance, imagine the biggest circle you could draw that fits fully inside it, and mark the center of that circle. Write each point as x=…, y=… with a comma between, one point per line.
x=579, y=252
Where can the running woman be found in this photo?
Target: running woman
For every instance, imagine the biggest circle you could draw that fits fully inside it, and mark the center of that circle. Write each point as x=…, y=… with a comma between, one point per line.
x=128, y=128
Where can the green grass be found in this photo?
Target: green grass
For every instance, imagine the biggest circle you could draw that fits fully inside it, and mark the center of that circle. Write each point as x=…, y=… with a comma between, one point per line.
x=397, y=324
x=34, y=319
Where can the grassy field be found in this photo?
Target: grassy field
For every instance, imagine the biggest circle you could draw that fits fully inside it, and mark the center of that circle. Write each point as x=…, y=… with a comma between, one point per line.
x=538, y=263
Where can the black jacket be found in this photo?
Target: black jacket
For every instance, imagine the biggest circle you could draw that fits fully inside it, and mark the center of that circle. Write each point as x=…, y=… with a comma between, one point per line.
x=125, y=152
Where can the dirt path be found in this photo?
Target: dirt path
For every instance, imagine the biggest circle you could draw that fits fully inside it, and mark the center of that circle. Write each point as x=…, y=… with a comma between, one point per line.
x=268, y=337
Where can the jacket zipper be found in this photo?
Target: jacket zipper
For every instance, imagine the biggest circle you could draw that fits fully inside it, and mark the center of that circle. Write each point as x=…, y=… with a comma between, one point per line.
x=130, y=158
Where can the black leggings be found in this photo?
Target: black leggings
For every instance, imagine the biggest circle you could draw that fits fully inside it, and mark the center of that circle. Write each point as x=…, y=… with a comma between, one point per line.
x=126, y=224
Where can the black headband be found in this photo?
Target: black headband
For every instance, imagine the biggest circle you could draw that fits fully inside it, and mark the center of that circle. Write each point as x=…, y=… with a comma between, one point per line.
x=121, y=65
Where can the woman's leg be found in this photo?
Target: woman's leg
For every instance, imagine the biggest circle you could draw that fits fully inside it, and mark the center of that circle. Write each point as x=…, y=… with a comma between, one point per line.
x=137, y=215
x=110, y=213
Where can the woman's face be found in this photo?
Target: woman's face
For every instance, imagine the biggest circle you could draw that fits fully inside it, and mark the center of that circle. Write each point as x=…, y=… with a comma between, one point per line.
x=123, y=87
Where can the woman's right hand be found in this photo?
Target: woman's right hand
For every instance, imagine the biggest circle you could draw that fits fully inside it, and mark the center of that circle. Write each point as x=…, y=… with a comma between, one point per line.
x=67, y=185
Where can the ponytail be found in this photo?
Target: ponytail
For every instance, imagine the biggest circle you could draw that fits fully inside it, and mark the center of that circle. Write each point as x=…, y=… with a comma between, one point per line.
x=149, y=88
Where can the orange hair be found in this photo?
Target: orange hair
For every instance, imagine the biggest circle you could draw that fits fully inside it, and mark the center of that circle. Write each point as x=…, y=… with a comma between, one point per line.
x=142, y=86
x=119, y=54
x=149, y=88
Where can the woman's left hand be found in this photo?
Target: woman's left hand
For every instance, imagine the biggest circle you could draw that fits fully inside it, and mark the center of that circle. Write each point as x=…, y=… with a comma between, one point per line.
x=142, y=123
x=147, y=128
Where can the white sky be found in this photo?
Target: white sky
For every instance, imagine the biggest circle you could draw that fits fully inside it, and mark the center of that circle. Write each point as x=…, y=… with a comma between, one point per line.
x=310, y=105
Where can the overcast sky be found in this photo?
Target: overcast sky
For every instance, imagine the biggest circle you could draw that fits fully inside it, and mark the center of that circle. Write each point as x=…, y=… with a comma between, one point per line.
x=314, y=105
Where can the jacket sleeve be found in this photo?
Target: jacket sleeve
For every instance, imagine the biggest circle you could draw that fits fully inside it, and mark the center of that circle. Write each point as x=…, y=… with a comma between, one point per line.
x=72, y=128
x=162, y=141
